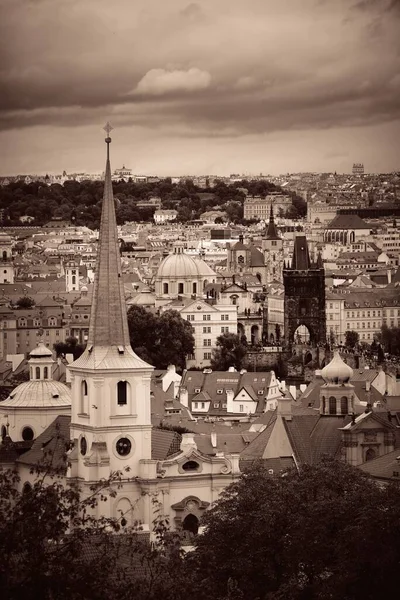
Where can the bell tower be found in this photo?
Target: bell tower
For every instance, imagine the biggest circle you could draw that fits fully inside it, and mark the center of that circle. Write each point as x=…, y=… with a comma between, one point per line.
x=6, y=259
x=110, y=424
x=304, y=303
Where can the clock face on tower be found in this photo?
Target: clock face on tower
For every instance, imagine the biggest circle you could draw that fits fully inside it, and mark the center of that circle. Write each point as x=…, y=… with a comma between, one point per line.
x=123, y=446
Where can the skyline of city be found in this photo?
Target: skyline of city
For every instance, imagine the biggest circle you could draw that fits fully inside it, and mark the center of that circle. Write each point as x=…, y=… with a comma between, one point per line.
x=201, y=87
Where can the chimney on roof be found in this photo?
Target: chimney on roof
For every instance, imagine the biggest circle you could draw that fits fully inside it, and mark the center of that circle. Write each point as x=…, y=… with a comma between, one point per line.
x=389, y=276
x=285, y=408
x=188, y=444
x=367, y=386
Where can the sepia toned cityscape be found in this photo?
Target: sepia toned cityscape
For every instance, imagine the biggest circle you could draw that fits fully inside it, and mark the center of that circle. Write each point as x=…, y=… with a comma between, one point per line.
x=200, y=300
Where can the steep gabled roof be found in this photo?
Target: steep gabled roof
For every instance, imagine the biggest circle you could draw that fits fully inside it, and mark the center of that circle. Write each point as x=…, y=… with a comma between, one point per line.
x=348, y=222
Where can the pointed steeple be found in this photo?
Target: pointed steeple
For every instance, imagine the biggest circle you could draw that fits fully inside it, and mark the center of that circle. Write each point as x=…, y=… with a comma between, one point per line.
x=108, y=320
x=272, y=232
x=301, y=256
x=108, y=345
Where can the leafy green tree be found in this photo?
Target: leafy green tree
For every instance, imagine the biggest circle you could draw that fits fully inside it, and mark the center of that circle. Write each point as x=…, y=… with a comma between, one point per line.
x=326, y=531
x=52, y=546
x=390, y=339
x=351, y=338
x=174, y=340
x=160, y=340
x=70, y=346
x=25, y=302
x=229, y=352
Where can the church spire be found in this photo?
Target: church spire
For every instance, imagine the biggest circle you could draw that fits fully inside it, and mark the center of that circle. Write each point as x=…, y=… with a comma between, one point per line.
x=272, y=232
x=108, y=320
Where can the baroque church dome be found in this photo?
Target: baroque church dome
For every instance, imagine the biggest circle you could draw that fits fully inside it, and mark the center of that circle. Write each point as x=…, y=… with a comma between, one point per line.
x=178, y=264
x=337, y=371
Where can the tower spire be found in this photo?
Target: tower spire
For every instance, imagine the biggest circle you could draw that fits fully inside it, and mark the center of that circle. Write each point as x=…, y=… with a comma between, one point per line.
x=272, y=232
x=108, y=320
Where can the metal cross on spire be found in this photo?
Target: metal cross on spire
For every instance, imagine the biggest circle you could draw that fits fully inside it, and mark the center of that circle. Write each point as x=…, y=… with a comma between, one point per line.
x=108, y=128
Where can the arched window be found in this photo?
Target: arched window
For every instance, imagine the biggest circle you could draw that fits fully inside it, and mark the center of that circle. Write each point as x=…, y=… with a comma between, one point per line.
x=234, y=300
x=27, y=434
x=165, y=288
x=332, y=405
x=84, y=398
x=323, y=405
x=3, y=432
x=122, y=393
x=195, y=288
x=344, y=405
x=73, y=280
x=370, y=454
x=180, y=288
x=4, y=255
x=37, y=372
x=45, y=373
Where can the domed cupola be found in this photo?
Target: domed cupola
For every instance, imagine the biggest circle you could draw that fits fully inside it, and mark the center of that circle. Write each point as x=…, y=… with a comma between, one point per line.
x=181, y=275
x=40, y=363
x=145, y=298
x=337, y=393
x=34, y=404
x=337, y=371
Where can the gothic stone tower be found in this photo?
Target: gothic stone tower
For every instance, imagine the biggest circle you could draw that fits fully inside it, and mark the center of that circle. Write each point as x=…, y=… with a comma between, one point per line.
x=110, y=422
x=272, y=245
x=304, y=284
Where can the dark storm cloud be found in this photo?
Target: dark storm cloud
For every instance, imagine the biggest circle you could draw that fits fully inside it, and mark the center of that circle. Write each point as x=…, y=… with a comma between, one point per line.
x=209, y=69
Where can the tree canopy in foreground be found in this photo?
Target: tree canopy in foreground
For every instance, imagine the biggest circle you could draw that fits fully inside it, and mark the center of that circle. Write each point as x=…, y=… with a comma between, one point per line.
x=327, y=532
x=324, y=533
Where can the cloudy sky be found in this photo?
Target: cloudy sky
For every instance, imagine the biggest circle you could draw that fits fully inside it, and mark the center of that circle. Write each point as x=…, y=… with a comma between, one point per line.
x=210, y=86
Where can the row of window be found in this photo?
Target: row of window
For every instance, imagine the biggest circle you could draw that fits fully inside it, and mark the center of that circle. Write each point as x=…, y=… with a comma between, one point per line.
x=52, y=322
x=47, y=333
x=367, y=325
x=180, y=288
x=122, y=394
x=375, y=313
x=206, y=318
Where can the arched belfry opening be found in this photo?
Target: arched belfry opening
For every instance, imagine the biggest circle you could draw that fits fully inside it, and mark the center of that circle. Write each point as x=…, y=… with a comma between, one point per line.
x=191, y=524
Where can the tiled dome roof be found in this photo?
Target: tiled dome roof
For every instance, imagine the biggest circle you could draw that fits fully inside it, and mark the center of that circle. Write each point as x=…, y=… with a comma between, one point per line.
x=178, y=265
x=40, y=351
x=39, y=393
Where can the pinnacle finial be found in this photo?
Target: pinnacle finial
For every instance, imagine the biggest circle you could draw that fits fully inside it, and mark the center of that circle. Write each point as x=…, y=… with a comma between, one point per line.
x=108, y=128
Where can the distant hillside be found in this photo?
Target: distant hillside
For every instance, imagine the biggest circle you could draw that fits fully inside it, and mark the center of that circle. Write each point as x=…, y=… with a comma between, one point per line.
x=81, y=202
